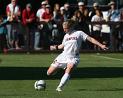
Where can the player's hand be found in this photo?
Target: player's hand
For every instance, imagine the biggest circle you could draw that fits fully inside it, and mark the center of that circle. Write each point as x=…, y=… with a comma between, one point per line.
x=53, y=47
x=104, y=47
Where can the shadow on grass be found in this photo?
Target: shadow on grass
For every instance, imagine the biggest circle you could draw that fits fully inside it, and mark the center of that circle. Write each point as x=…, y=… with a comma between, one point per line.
x=113, y=89
x=34, y=73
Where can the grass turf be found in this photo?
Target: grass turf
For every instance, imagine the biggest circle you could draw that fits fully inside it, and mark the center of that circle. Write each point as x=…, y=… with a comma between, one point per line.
x=76, y=88
x=83, y=88
x=44, y=60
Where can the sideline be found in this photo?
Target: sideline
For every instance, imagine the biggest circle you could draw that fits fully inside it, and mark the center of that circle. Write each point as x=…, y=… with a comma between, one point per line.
x=106, y=57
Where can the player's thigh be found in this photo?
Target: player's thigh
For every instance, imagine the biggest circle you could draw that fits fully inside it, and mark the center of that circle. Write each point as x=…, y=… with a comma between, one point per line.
x=53, y=67
x=72, y=65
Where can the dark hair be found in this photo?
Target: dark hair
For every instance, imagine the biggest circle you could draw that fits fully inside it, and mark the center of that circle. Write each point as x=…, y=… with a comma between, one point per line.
x=71, y=24
x=55, y=6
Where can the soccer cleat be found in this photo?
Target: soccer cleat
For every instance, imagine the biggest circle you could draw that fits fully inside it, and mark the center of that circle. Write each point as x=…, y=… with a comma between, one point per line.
x=59, y=89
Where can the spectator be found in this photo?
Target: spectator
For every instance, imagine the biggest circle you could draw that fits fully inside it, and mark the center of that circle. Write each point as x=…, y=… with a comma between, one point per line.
x=28, y=19
x=93, y=12
x=56, y=14
x=67, y=11
x=83, y=25
x=39, y=34
x=83, y=10
x=84, y=17
x=3, y=32
x=47, y=15
x=77, y=16
x=62, y=12
x=41, y=10
x=96, y=33
x=113, y=16
x=57, y=31
x=113, y=13
x=13, y=14
x=47, y=20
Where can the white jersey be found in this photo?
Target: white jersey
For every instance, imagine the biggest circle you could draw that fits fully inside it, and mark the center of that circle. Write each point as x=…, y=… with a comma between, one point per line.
x=72, y=43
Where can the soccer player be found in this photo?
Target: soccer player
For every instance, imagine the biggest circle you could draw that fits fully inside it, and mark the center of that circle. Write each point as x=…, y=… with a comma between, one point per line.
x=69, y=58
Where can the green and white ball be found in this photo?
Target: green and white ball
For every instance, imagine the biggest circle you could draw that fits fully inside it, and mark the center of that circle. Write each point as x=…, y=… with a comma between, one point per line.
x=40, y=85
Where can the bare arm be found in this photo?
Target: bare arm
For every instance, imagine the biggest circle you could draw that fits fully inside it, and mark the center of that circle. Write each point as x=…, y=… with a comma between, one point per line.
x=61, y=46
x=95, y=42
x=56, y=47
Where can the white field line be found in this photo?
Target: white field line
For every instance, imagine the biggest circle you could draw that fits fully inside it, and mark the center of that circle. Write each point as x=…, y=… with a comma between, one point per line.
x=106, y=57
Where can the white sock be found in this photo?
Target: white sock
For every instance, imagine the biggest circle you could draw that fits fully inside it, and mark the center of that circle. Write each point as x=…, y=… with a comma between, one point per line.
x=64, y=80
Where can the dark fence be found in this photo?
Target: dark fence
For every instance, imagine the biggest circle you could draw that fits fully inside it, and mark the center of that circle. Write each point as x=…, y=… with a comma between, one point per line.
x=113, y=38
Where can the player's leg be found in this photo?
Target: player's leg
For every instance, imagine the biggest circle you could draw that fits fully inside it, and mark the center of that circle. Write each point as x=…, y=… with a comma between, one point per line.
x=51, y=70
x=65, y=77
x=54, y=66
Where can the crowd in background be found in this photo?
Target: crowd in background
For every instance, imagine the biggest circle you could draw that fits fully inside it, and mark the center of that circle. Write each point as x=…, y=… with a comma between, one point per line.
x=30, y=30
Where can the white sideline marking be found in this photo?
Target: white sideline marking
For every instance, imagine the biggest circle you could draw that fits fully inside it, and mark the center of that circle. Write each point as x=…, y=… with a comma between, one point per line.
x=110, y=58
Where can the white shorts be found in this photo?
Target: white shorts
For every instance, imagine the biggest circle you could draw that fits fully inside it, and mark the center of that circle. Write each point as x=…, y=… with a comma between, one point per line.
x=61, y=62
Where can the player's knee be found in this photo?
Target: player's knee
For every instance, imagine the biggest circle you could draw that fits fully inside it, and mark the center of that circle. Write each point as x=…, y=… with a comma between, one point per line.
x=48, y=73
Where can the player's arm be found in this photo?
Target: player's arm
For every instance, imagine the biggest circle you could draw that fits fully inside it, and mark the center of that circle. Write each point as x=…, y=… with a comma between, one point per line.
x=94, y=41
x=61, y=46
x=57, y=47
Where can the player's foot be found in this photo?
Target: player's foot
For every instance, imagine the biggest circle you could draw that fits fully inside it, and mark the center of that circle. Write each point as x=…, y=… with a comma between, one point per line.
x=59, y=89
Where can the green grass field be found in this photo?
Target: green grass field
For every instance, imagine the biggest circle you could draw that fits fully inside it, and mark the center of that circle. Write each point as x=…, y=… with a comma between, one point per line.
x=99, y=76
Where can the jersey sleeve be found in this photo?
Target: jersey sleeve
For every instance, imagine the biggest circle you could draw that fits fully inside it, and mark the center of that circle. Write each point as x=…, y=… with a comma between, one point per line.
x=83, y=36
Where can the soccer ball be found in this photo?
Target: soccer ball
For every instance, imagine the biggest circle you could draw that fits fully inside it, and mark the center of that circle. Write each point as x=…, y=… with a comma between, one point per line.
x=40, y=85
